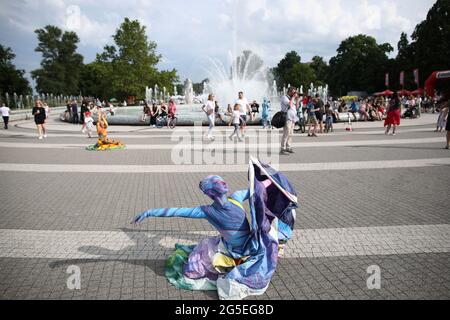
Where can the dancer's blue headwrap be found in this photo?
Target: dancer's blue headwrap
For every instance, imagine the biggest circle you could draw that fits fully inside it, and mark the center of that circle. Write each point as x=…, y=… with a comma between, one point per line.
x=214, y=186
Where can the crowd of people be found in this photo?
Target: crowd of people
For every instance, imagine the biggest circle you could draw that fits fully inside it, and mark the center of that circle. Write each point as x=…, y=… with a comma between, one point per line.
x=314, y=114
x=159, y=113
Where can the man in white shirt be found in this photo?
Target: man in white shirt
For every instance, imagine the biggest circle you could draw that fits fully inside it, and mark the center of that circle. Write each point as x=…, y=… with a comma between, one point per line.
x=288, y=106
x=245, y=107
x=4, y=110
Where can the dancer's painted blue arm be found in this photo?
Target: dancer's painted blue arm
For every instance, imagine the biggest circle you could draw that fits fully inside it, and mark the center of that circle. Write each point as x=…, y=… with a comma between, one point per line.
x=195, y=213
x=241, y=195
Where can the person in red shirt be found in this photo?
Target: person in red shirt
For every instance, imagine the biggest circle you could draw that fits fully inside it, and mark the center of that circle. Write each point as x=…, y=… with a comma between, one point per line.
x=172, y=108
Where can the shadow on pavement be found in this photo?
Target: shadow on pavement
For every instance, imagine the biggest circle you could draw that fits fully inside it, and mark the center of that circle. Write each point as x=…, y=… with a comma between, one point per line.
x=140, y=239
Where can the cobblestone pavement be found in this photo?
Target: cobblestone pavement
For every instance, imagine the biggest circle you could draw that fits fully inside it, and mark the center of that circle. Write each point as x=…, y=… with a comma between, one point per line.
x=366, y=200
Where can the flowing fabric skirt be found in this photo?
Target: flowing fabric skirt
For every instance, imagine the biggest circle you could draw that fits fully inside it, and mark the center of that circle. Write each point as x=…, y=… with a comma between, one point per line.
x=393, y=118
x=211, y=265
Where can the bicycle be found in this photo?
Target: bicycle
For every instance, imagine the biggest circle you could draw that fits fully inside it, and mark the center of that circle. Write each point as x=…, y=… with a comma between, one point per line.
x=173, y=122
x=163, y=121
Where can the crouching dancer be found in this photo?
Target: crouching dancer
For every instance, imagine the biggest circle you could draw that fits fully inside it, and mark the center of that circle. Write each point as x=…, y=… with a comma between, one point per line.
x=242, y=259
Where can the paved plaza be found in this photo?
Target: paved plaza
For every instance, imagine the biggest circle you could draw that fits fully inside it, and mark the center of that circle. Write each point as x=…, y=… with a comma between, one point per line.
x=366, y=200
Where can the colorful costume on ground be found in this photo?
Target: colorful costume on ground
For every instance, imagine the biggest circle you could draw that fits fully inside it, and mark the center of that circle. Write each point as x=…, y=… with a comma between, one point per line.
x=242, y=260
x=103, y=142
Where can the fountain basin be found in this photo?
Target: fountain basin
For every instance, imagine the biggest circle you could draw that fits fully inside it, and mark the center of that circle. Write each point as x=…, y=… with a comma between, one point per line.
x=187, y=115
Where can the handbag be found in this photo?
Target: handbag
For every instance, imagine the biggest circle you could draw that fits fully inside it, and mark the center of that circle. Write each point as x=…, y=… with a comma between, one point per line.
x=279, y=119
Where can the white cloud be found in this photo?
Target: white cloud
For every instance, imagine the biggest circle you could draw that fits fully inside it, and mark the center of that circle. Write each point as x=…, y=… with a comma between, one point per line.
x=189, y=31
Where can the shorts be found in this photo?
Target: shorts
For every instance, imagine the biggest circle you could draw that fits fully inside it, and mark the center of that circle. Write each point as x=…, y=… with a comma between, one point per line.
x=312, y=120
x=319, y=116
x=243, y=120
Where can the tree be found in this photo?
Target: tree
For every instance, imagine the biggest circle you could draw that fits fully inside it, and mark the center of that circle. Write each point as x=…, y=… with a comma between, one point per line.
x=60, y=65
x=95, y=80
x=280, y=71
x=320, y=68
x=301, y=74
x=359, y=65
x=198, y=87
x=11, y=79
x=431, y=40
x=130, y=64
x=403, y=62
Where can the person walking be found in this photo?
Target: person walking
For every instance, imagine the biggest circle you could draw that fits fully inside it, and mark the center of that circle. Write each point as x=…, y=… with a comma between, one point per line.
x=288, y=107
x=74, y=107
x=235, y=119
x=320, y=111
x=84, y=109
x=441, y=122
x=209, y=108
x=245, y=108
x=447, y=125
x=393, y=117
x=39, y=119
x=312, y=120
x=4, y=110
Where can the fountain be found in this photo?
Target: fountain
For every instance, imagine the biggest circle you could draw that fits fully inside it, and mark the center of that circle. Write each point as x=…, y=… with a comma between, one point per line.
x=148, y=94
x=188, y=91
x=246, y=73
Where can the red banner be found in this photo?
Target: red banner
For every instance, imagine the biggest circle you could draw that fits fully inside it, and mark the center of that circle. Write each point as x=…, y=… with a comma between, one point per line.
x=402, y=78
x=386, y=80
x=416, y=76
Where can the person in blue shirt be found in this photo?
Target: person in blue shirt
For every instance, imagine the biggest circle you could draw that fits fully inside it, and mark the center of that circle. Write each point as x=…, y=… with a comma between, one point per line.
x=312, y=120
x=354, y=108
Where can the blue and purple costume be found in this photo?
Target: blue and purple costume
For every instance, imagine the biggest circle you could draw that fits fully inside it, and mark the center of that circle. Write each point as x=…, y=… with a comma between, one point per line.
x=242, y=259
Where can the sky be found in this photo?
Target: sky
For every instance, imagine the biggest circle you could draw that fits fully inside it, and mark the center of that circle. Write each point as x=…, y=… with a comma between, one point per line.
x=189, y=32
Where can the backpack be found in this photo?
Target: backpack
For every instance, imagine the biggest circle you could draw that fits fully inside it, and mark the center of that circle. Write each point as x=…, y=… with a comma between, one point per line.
x=279, y=119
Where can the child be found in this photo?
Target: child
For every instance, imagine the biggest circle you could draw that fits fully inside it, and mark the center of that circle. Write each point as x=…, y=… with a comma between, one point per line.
x=89, y=123
x=441, y=119
x=266, y=114
x=235, y=120
x=328, y=119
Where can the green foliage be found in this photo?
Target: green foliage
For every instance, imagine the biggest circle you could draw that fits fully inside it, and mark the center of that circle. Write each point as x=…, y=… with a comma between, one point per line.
x=284, y=67
x=60, y=65
x=430, y=48
x=300, y=74
x=290, y=70
x=11, y=79
x=321, y=69
x=359, y=65
x=127, y=67
x=198, y=87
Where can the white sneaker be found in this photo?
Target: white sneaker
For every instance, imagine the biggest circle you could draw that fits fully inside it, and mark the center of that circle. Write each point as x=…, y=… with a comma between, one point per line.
x=40, y=138
x=83, y=131
x=45, y=136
